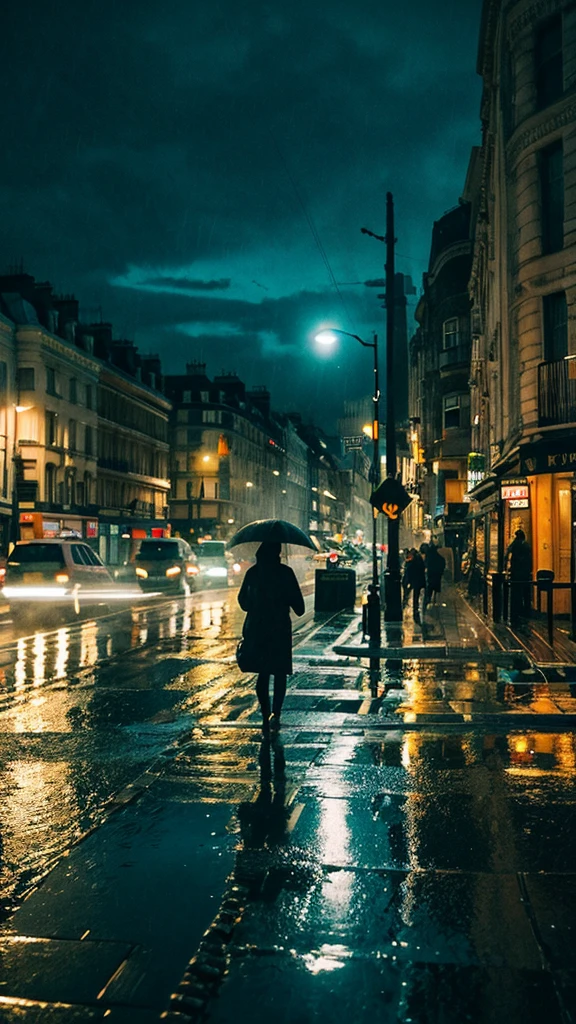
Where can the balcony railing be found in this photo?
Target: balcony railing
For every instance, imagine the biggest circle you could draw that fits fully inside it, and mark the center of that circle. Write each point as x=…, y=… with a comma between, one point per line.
x=458, y=356
x=557, y=392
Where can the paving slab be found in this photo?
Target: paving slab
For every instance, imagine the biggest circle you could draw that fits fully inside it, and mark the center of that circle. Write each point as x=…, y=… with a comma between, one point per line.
x=140, y=890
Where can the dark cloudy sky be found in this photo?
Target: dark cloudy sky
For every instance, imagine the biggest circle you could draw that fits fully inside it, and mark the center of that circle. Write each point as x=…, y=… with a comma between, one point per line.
x=175, y=164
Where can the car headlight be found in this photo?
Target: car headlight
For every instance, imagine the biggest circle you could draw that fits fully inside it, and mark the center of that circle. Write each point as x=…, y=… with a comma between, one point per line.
x=192, y=570
x=236, y=567
x=141, y=573
x=174, y=570
x=217, y=570
x=61, y=577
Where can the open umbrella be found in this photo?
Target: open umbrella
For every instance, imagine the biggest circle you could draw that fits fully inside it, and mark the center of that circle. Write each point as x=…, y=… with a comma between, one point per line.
x=276, y=530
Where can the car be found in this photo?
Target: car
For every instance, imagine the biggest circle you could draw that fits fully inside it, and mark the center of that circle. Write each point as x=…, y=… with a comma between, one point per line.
x=213, y=563
x=167, y=564
x=62, y=572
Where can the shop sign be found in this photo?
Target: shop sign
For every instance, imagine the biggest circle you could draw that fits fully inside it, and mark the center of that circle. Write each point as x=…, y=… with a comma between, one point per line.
x=476, y=470
x=114, y=529
x=353, y=444
x=519, y=503
x=91, y=528
x=549, y=456
x=512, y=489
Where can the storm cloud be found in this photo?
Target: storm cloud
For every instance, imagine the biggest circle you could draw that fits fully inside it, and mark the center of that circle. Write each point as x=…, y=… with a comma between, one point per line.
x=201, y=171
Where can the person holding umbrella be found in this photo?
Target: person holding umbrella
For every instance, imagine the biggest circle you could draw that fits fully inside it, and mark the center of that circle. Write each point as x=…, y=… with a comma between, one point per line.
x=269, y=590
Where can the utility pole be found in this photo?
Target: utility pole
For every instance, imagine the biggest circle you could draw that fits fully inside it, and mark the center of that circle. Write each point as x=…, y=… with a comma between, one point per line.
x=392, y=585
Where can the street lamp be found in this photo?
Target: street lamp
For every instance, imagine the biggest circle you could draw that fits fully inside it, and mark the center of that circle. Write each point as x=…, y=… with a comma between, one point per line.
x=328, y=337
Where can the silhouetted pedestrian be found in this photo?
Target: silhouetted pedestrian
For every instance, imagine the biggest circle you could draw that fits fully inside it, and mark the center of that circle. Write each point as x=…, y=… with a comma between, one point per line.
x=435, y=564
x=270, y=589
x=416, y=578
x=519, y=558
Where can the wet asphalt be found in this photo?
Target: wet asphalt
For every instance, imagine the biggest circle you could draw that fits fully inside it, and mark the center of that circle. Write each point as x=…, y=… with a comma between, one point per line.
x=405, y=857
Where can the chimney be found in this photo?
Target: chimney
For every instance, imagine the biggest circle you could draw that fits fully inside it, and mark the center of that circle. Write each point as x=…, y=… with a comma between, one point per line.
x=102, y=335
x=124, y=355
x=196, y=369
x=260, y=399
x=67, y=308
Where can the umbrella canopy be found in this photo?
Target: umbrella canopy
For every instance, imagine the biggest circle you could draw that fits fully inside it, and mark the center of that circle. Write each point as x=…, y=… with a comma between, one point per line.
x=276, y=530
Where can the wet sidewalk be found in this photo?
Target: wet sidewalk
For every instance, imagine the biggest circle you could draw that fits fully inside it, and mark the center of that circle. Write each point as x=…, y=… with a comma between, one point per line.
x=404, y=857
x=456, y=627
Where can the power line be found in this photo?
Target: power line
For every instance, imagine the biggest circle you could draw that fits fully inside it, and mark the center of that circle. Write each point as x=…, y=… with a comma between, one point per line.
x=312, y=226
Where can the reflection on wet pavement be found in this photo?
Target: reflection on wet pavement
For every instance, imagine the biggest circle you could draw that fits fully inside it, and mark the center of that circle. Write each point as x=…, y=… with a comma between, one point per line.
x=85, y=708
x=400, y=852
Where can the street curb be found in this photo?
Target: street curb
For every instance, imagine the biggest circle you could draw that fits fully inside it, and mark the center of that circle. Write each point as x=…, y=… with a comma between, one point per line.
x=208, y=967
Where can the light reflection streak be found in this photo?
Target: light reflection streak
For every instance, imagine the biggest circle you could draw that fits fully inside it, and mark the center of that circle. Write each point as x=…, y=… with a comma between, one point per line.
x=62, y=653
x=39, y=658
x=88, y=644
x=20, y=666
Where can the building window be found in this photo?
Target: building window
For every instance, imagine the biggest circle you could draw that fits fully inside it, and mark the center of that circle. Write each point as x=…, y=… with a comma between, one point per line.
x=50, y=380
x=26, y=378
x=204, y=396
x=72, y=435
x=73, y=390
x=451, y=411
x=51, y=429
x=50, y=483
x=555, y=317
x=88, y=444
x=451, y=333
x=89, y=396
x=187, y=396
x=548, y=65
x=211, y=416
x=552, y=197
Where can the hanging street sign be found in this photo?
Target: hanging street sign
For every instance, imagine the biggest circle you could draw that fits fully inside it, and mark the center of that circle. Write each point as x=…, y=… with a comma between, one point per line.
x=352, y=444
x=391, y=498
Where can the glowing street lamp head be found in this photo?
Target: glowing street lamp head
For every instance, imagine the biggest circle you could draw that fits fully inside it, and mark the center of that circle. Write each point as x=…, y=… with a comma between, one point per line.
x=326, y=338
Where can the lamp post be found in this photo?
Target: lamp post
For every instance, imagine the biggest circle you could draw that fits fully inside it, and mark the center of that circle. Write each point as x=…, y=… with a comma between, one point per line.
x=392, y=584
x=328, y=337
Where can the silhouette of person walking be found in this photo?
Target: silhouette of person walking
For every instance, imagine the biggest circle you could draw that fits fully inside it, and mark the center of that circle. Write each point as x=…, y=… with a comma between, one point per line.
x=270, y=589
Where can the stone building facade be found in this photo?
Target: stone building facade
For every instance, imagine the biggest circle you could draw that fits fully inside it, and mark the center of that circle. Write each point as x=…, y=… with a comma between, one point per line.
x=523, y=284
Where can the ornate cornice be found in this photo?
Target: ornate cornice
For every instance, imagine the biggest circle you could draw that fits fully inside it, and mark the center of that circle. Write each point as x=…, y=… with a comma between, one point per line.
x=32, y=333
x=531, y=15
x=525, y=138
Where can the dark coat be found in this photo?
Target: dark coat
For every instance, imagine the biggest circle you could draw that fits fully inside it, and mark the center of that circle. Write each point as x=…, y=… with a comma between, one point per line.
x=415, y=573
x=267, y=595
x=435, y=565
x=520, y=557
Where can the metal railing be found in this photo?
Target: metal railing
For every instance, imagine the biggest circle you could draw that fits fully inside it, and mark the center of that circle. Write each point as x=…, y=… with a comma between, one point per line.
x=512, y=599
x=557, y=392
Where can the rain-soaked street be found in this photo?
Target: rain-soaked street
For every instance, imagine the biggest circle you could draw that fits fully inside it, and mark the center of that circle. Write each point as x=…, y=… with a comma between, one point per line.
x=405, y=857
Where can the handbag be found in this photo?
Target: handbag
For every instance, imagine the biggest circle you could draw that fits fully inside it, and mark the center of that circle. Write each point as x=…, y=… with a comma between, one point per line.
x=248, y=655
x=242, y=656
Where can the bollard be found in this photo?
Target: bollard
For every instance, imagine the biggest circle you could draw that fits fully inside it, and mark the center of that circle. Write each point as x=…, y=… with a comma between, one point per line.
x=497, y=587
x=550, y=614
x=545, y=583
x=373, y=614
x=506, y=597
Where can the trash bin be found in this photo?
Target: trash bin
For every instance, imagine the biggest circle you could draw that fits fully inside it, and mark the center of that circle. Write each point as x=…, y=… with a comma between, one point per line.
x=335, y=590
